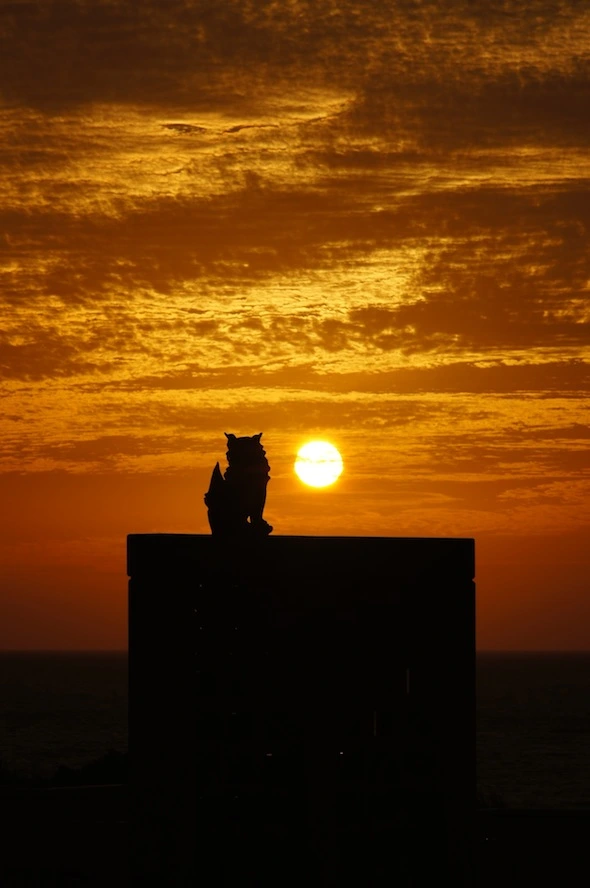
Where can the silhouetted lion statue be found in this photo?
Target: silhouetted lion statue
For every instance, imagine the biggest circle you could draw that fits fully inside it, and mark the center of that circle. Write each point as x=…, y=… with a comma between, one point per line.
x=240, y=494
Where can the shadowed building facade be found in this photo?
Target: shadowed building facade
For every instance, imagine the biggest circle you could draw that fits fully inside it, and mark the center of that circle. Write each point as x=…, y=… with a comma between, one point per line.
x=302, y=708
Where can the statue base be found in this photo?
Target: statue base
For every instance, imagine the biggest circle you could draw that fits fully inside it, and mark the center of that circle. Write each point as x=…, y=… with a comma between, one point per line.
x=302, y=708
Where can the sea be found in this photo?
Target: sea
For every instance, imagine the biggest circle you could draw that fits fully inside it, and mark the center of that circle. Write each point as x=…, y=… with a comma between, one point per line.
x=533, y=720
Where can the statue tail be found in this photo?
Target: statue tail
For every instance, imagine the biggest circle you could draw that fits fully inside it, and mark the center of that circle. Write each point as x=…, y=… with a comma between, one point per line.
x=216, y=490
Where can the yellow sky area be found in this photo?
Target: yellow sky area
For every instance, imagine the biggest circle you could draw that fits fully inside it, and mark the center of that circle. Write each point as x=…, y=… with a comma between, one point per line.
x=361, y=223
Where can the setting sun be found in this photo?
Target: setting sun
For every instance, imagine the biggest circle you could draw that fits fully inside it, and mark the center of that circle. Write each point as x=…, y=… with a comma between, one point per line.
x=318, y=464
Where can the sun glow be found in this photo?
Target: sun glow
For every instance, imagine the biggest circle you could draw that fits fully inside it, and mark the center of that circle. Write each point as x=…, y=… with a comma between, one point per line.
x=318, y=464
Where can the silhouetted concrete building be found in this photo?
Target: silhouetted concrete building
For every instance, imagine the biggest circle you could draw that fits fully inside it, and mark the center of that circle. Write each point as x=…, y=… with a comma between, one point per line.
x=302, y=709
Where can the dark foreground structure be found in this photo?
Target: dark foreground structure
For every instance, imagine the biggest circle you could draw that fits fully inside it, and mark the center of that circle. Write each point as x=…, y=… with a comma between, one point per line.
x=302, y=709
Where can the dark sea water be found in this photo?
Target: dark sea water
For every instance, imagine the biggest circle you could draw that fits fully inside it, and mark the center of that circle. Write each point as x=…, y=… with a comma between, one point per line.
x=533, y=724
x=533, y=728
x=61, y=708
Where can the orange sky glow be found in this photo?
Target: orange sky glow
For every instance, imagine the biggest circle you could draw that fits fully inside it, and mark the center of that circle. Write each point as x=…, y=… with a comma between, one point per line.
x=363, y=223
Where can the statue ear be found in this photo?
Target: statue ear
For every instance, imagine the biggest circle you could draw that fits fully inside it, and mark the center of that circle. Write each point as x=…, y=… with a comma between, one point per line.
x=258, y=436
x=230, y=437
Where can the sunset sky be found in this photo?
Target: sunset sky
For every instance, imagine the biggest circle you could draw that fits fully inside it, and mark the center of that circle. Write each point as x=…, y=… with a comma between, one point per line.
x=364, y=222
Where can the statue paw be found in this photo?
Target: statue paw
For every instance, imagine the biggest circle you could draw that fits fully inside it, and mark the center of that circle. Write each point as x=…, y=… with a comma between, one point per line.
x=262, y=528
